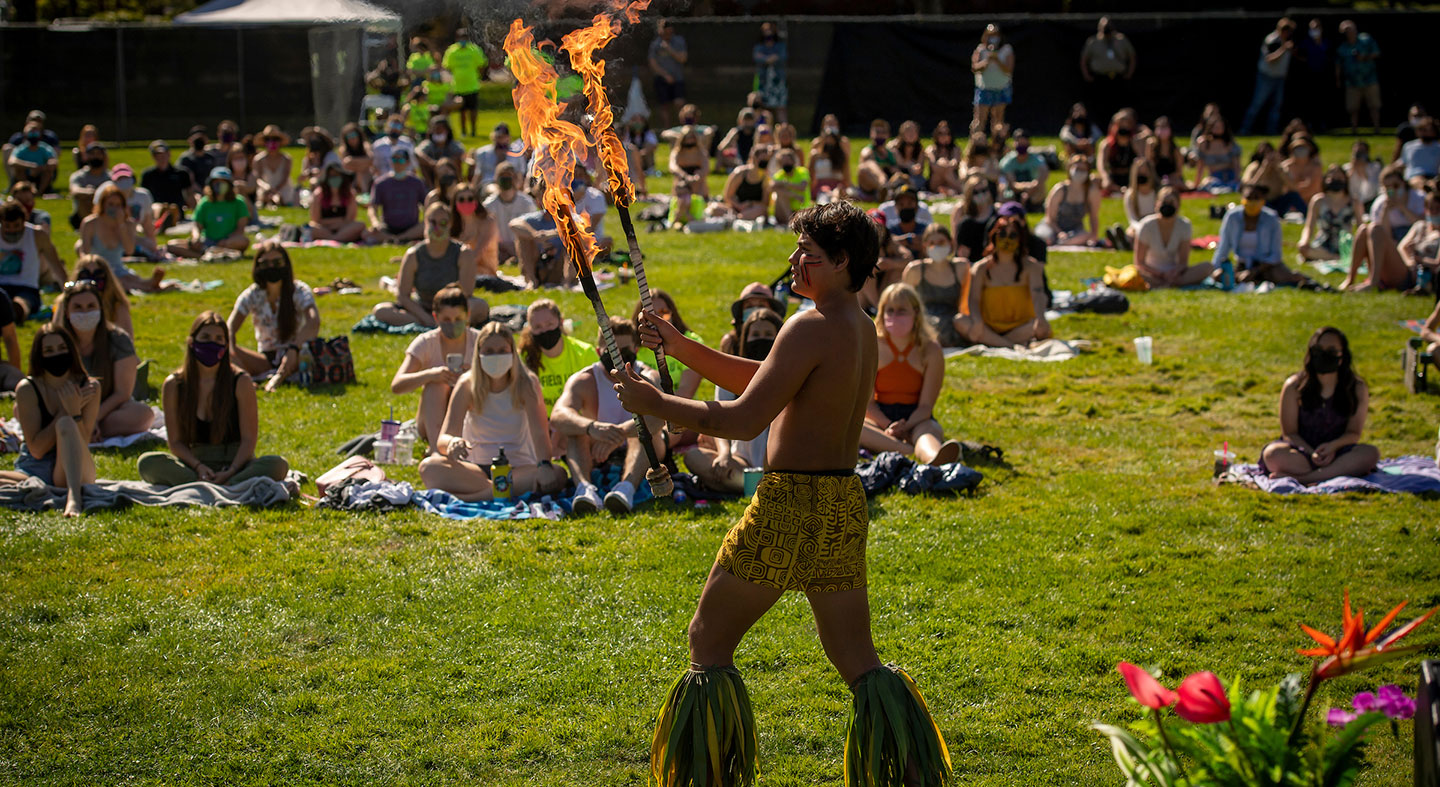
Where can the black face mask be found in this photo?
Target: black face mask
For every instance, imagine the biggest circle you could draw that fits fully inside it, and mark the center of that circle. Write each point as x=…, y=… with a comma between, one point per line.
x=1334, y=185
x=548, y=339
x=269, y=275
x=57, y=365
x=95, y=163
x=758, y=349
x=907, y=215
x=317, y=144
x=878, y=142
x=1167, y=210
x=762, y=162
x=505, y=184
x=789, y=167
x=447, y=180
x=1141, y=180
x=1322, y=362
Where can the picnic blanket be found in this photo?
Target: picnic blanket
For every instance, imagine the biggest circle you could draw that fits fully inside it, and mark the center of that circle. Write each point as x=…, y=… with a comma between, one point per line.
x=1080, y=248
x=32, y=494
x=156, y=432
x=357, y=495
x=1413, y=474
x=1047, y=351
x=1338, y=266
x=371, y=324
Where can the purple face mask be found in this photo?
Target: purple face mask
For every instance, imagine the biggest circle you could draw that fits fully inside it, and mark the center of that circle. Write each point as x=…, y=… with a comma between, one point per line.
x=208, y=353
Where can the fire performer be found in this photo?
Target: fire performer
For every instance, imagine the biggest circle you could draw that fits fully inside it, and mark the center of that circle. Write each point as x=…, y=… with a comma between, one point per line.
x=804, y=530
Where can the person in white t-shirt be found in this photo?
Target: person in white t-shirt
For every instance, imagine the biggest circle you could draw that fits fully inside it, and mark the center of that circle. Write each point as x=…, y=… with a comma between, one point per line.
x=285, y=315
x=436, y=359
x=993, y=63
x=505, y=205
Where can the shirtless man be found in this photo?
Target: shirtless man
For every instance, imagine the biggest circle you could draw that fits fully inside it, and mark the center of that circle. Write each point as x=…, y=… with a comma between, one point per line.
x=806, y=527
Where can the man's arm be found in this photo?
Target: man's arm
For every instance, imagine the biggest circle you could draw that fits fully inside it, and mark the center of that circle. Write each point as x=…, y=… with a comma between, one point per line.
x=1430, y=332
x=51, y=257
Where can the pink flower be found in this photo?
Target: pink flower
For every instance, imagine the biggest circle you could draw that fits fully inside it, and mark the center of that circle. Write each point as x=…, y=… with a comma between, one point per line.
x=1202, y=699
x=1364, y=702
x=1395, y=704
x=1339, y=717
x=1144, y=688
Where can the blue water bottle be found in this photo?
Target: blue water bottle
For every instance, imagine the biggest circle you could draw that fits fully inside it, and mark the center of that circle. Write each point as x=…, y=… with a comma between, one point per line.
x=1227, y=275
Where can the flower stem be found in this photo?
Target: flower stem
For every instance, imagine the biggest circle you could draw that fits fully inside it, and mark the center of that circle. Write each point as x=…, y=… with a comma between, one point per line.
x=1310, y=689
x=1169, y=749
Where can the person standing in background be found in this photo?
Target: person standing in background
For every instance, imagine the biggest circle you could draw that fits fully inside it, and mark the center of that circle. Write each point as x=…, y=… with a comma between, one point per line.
x=1270, y=72
x=770, y=55
x=1316, y=99
x=1355, y=71
x=418, y=65
x=1107, y=64
x=993, y=63
x=668, y=56
x=466, y=63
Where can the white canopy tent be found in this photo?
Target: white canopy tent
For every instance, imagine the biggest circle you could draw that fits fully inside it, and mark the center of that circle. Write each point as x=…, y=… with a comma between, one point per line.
x=239, y=13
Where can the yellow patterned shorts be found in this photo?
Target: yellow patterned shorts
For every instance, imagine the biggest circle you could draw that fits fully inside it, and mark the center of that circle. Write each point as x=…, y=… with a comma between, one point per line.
x=802, y=531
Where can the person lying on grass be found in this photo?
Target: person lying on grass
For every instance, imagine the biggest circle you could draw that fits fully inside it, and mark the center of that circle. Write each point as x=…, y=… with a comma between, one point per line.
x=435, y=361
x=212, y=418
x=57, y=407
x=108, y=355
x=285, y=315
x=900, y=417
x=496, y=406
x=1322, y=414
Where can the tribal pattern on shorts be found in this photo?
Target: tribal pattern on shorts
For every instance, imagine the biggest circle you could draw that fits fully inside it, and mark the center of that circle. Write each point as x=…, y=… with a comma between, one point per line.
x=801, y=532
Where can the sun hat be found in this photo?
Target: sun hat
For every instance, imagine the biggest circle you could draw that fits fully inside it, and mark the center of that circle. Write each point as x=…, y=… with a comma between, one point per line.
x=272, y=131
x=755, y=289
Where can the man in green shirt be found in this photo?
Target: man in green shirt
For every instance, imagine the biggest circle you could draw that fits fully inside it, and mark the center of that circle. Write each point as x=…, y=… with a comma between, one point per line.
x=420, y=61
x=466, y=63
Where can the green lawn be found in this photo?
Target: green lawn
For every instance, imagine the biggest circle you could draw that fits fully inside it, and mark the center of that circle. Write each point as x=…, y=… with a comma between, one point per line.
x=308, y=647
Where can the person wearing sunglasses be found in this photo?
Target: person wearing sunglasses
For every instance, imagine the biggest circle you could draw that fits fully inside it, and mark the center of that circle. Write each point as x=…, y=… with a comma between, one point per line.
x=333, y=207
x=285, y=317
x=395, y=202
x=427, y=268
x=1006, y=306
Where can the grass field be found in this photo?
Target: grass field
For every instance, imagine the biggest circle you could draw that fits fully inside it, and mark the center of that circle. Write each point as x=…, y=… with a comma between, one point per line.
x=296, y=646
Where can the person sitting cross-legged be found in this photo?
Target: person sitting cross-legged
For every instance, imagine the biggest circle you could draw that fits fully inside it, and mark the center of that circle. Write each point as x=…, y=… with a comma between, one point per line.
x=1006, y=306
x=285, y=317
x=435, y=361
x=439, y=261
x=1322, y=415
x=911, y=371
x=589, y=414
x=220, y=219
x=495, y=407
x=108, y=355
x=333, y=207
x=395, y=202
x=212, y=419
x=1162, y=246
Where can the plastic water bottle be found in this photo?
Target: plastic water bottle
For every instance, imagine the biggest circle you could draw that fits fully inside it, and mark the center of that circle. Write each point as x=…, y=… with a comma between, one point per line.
x=405, y=445
x=307, y=363
x=500, y=476
x=1227, y=275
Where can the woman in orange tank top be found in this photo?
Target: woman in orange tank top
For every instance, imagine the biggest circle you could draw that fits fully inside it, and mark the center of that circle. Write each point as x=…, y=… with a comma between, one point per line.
x=907, y=383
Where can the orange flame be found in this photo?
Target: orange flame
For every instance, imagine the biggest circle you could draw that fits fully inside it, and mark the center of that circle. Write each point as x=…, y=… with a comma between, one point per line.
x=582, y=45
x=556, y=143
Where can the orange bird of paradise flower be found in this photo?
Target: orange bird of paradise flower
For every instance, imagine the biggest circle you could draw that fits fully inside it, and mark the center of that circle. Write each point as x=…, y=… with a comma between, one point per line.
x=1358, y=648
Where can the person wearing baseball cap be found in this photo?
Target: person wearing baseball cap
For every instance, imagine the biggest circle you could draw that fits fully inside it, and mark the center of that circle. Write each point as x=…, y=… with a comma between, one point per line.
x=140, y=201
x=173, y=188
x=220, y=218
x=197, y=159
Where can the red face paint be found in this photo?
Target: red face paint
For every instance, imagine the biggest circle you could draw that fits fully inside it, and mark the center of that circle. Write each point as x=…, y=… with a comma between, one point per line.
x=805, y=270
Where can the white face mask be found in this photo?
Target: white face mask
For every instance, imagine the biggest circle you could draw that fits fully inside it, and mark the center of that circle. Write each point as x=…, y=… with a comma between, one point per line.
x=85, y=321
x=496, y=365
x=938, y=253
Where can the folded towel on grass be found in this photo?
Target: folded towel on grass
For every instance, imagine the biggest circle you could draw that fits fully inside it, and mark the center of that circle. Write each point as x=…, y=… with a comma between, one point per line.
x=1413, y=474
x=1047, y=351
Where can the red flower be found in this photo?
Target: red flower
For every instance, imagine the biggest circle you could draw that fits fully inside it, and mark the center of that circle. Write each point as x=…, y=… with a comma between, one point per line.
x=1202, y=699
x=1358, y=648
x=1144, y=688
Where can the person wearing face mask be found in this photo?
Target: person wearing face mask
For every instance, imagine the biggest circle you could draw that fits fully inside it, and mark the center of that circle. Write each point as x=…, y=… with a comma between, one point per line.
x=1355, y=70
x=1377, y=241
x=1273, y=66
x=495, y=409
x=754, y=297
x=428, y=267
x=1024, y=174
x=1162, y=246
x=1332, y=213
x=85, y=181
x=551, y=354
x=942, y=161
x=219, y=219
x=1420, y=248
x=476, y=229
x=1139, y=200
x=1250, y=232
x=598, y=430
x=1070, y=203
x=173, y=187
x=212, y=417
x=830, y=132
x=445, y=178
x=285, y=315
x=1166, y=157
x=879, y=169
x=685, y=379
x=395, y=202
x=140, y=203
x=909, y=152
x=668, y=55
x=272, y=165
x=1217, y=157
x=356, y=156
x=33, y=159
x=907, y=228
x=109, y=232
x=1304, y=168
x=993, y=63
x=1079, y=135
x=466, y=63
x=972, y=217
x=1363, y=174
x=108, y=355
x=57, y=406
x=769, y=55
x=738, y=142
x=790, y=186
x=26, y=254
x=910, y=373
x=439, y=144
x=747, y=189
x=941, y=280
x=319, y=154
x=1118, y=152
x=384, y=147
x=538, y=247
x=426, y=366
x=333, y=208
x=830, y=166
x=719, y=463
x=1005, y=305
x=1323, y=408
x=1421, y=155
x=196, y=158
x=504, y=204
x=487, y=159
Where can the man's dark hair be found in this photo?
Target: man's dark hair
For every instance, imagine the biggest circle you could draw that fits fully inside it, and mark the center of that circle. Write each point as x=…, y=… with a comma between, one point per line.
x=11, y=210
x=842, y=230
x=1255, y=191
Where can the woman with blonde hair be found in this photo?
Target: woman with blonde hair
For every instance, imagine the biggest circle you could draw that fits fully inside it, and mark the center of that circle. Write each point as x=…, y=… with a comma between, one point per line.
x=496, y=407
x=93, y=268
x=109, y=232
x=910, y=373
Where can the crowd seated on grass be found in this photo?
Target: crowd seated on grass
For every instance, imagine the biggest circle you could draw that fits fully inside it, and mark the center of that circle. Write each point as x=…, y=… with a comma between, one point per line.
x=212, y=418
